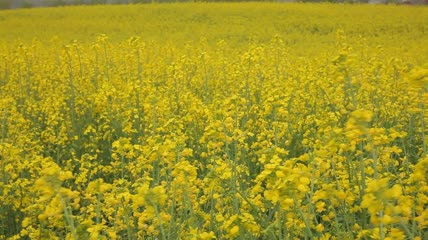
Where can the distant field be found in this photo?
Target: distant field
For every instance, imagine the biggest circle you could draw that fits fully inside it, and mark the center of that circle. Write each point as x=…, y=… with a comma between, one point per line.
x=214, y=121
x=305, y=28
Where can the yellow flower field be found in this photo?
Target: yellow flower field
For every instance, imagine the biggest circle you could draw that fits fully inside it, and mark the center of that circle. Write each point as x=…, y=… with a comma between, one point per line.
x=214, y=121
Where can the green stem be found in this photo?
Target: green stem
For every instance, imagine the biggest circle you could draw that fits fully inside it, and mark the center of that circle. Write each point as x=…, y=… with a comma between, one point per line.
x=68, y=217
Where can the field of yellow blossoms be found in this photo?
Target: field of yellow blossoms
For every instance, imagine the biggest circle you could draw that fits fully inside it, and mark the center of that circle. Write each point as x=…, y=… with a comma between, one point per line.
x=214, y=121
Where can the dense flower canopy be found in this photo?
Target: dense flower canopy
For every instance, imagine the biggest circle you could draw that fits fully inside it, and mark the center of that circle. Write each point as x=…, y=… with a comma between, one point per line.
x=215, y=139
